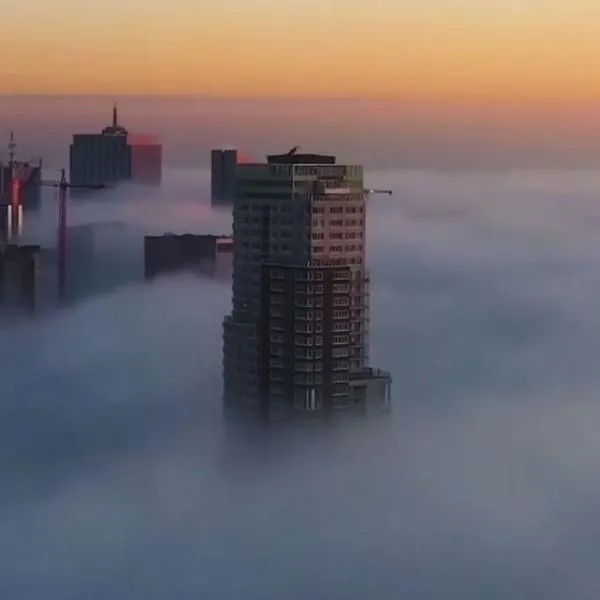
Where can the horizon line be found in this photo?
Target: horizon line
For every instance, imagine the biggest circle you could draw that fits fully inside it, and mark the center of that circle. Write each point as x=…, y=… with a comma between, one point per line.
x=450, y=99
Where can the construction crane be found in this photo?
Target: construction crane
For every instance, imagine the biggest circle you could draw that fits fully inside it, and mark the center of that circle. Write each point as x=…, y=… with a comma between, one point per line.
x=63, y=187
x=15, y=213
x=370, y=192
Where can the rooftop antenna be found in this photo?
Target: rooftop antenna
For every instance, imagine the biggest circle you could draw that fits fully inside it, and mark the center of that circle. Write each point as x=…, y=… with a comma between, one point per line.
x=115, y=120
x=12, y=146
x=293, y=150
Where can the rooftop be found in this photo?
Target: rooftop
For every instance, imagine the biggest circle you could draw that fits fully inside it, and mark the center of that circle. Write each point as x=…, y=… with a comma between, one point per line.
x=301, y=159
x=293, y=157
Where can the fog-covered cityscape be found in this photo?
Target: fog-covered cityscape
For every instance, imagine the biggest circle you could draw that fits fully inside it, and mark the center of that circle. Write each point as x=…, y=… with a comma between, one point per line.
x=122, y=477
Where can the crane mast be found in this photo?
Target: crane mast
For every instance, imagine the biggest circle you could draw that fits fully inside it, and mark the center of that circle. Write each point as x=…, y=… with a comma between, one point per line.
x=63, y=187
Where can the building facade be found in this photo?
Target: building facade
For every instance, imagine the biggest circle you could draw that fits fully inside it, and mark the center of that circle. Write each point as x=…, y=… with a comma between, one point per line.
x=114, y=155
x=22, y=178
x=223, y=164
x=296, y=340
x=19, y=269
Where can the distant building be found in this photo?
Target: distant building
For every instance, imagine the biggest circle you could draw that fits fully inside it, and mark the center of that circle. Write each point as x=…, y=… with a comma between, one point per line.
x=169, y=253
x=223, y=164
x=296, y=341
x=20, y=180
x=19, y=266
x=102, y=257
x=11, y=222
x=114, y=155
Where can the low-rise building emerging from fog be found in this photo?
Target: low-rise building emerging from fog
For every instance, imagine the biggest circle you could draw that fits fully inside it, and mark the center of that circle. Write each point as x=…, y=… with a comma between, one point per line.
x=171, y=253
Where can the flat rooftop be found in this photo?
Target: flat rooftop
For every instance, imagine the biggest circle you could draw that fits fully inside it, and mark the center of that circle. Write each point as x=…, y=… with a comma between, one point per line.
x=294, y=158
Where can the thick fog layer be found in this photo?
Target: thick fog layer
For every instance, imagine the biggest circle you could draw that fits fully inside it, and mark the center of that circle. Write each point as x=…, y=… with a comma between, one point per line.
x=119, y=478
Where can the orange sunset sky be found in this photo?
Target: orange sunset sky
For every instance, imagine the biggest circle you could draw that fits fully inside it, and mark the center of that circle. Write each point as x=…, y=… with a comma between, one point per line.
x=505, y=50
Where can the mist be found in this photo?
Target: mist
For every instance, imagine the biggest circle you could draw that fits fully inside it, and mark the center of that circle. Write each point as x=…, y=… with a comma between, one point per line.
x=121, y=479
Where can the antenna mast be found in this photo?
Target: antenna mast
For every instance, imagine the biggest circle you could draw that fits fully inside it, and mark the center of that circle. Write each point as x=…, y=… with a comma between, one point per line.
x=12, y=146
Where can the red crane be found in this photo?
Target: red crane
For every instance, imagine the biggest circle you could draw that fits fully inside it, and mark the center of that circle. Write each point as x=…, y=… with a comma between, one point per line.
x=63, y=187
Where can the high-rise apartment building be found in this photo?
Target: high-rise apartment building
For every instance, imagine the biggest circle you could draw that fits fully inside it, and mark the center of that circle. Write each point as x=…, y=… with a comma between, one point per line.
x=114, y=155
x=296, y=340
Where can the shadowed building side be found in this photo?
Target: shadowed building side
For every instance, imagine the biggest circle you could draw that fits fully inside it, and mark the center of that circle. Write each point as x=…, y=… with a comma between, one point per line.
x=169, y=253
x=19, y=270
x=223, y=164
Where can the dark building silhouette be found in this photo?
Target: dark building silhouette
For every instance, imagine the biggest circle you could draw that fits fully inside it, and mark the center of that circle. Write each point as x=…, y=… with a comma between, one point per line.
x=19, y=267
x=296, y=342
x=223, y=164
x=114, y=155
x=170, y=253
x=20, y=180
x=11, y=223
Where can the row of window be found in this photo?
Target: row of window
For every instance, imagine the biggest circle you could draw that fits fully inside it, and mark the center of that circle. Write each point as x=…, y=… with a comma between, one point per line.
x=308, y=367
x=310, y=402
x=348, y=235
x=310, y=275
x=337, y=223
x=337, y=248
x=336, y=340
x=318, y=209
x=310, y=353
x=317, y=315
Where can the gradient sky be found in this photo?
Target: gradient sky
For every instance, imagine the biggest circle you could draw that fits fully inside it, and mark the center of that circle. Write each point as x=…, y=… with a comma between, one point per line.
x=525, y=50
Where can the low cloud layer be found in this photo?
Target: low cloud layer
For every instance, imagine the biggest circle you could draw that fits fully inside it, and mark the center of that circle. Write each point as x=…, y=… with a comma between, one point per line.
x=120, y=478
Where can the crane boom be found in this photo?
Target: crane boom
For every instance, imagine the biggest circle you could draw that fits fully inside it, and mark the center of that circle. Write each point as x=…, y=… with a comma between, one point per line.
x=376, y=191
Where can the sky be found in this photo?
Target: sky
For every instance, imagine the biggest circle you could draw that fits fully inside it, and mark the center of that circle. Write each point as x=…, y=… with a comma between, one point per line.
x=121, y=479
x=534, y=52
x=380, y=134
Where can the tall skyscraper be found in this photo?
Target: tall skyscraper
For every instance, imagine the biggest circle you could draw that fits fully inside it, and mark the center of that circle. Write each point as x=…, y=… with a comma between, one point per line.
x=115, y=155
x=223, y=164
x=296, y=340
